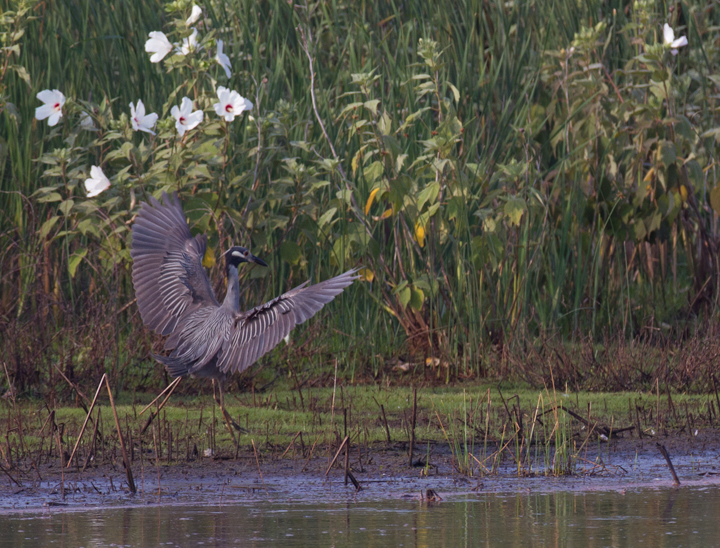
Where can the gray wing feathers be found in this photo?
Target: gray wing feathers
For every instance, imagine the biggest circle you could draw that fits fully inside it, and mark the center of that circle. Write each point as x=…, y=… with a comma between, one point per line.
x=198, y=340
x=168, y=275
x=261, y=329
x=175, y=298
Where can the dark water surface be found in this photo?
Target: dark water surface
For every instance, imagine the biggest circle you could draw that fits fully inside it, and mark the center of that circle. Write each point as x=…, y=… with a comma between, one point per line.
x=642, y=517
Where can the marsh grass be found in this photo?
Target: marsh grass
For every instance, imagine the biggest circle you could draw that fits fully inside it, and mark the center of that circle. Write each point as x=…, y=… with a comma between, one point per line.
x=471, y=422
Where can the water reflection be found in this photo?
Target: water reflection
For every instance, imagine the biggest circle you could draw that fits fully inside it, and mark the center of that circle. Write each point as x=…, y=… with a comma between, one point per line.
x=667, y=517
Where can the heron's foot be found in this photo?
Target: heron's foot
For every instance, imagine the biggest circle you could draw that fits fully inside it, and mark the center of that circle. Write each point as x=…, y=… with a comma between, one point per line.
x=229, y=420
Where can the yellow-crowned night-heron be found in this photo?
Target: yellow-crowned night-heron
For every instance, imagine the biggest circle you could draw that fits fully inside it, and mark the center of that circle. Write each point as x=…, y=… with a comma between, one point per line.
x=206, y=338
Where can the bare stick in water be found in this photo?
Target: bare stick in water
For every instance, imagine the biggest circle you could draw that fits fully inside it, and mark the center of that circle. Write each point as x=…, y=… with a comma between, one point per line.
x=257, y=461
x=170, y=387
x=126, y=461
x=290, y=445
x=670, y=464
x=412, y=429
x=82, y=430
x=312, y=449
x=332, y=462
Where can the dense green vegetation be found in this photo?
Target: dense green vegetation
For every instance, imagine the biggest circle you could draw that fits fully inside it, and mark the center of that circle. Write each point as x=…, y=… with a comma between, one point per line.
x=519, y=179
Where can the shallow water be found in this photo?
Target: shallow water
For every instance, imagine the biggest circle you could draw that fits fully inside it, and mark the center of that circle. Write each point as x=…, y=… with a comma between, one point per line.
x=642, y=517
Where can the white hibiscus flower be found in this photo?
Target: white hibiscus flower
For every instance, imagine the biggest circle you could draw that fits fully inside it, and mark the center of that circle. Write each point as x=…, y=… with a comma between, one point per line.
x=669, y=37
x=97, y=182
x=222, y=59
x=185, y=118
x=140, y=121
x=230, y=104
x=52, y=108
x=158, y=45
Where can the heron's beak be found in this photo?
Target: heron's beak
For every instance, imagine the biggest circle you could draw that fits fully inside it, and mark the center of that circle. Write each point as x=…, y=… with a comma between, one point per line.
x=253, y=259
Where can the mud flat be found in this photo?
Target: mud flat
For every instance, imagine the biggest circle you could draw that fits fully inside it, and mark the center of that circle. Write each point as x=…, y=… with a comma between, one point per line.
x=381, y=471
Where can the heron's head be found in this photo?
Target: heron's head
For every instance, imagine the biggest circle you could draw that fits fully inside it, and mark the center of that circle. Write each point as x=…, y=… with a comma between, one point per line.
x=237, y=254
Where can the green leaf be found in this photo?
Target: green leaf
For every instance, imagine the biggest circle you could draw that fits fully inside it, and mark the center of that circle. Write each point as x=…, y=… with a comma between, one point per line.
x=455, y=91
x=290, y=252
x=514, y=209
x=432, y=210
x=49, y=160
x=428, y=194
x=326, y=217
x=122, y=175
x=683, y=127
x=715, y=133
x=88, y=226
x=695, y=172
x=666, y=153
x=373, y=172
x=75, y=261
x=405, y=294
x=416, y=298
x=50, y=197
x=199, y=171
x=22, y=73
x=385, y=123
x=351, y=106
x=372, y=105
x=653, y=222
x=317, y=185
x=399, y=287
x=357, y=126
x=344, y=195
x=639, y=230
x=47, y=226
x=411, y=117
x=302, y=144
x=125, y=150
x=66, y=206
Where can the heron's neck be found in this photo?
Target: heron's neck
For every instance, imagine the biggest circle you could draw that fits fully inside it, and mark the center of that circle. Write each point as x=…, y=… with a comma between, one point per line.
x=232, y=297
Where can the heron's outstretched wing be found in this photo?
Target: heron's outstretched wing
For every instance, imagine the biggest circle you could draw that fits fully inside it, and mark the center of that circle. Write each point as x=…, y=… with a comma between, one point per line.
x=168, y=275
x=259, y=330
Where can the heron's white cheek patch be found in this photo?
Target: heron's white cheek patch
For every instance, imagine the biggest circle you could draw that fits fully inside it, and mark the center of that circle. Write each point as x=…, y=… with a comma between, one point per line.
x=236, y=254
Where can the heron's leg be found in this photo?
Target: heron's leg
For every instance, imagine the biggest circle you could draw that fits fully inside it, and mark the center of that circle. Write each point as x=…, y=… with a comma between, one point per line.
x=229, y=422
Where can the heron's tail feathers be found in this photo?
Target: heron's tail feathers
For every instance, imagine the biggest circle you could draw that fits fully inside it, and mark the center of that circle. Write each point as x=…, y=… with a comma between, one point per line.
x=174, y=366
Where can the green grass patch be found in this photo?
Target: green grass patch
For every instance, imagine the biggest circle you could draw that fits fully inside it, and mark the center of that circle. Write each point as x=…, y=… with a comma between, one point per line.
x=487, y=430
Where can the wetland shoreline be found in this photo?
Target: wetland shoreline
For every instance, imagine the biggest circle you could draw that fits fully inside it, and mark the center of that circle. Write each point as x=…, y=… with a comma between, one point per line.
x=382, y=471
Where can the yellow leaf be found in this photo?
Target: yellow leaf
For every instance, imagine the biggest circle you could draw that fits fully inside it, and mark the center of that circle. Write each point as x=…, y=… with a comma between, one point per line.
x=420, y=234
x=209, y=258
x=356, y=161
x=649, y=175
x=386, y=213
x=715, y=199
x=683, y=193
x=366, y=274
x=370, y=200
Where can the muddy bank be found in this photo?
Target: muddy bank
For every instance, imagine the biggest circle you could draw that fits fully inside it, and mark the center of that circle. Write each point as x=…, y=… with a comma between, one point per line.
x=382, y=472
